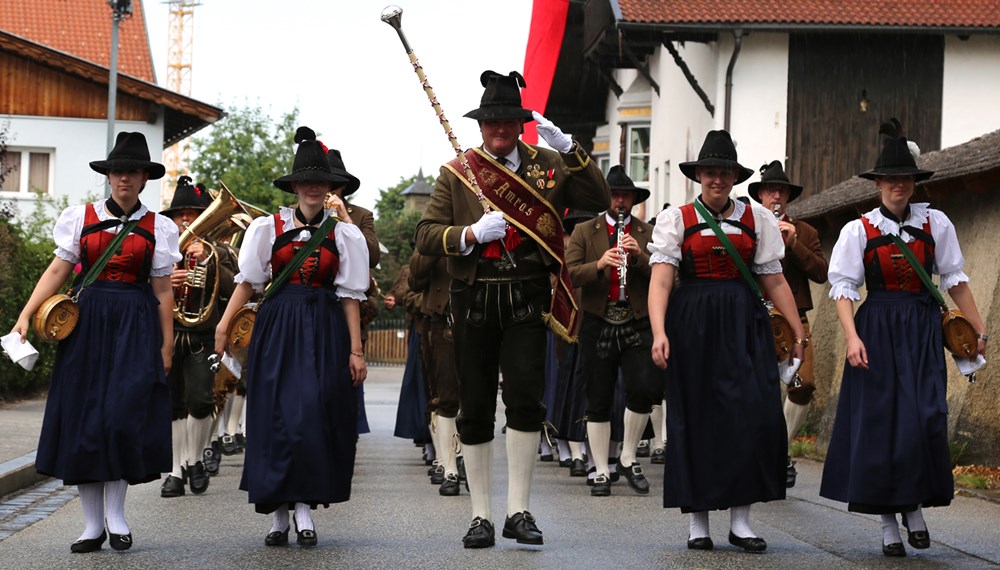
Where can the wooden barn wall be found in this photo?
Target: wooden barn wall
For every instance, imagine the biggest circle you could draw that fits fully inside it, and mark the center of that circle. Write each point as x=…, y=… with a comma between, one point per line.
x=28, y=88
x=830, y=138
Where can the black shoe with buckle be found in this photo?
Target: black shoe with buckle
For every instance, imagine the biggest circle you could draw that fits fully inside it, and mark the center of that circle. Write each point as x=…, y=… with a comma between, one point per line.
x=578, y=468
x=894, y=550
x=450, y=487
x=522, y=527
x=643, y=449
x=241, y=442
x=198, y=478
x=701, y=543
x=229, y=445
x=613, y=470
x=749, y=543
x=277, y=538
x=601, y=486
x=658, y=457
x=437, y=475
x=85, y=545
x=790, y=474
x=306, y=538
x=172, y=487
x=120, y=541
x=919, y=539
x=210, y=459
x=633, y=475
x=566, y=462
x=480, y=534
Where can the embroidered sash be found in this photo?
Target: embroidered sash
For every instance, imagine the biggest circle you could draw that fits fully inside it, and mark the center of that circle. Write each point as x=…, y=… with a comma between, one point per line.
x=530, y=212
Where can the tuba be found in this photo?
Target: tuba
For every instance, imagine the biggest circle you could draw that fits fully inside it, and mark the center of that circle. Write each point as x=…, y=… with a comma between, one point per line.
x=195, y=300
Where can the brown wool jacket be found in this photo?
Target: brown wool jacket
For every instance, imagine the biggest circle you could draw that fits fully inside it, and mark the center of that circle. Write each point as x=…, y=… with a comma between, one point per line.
x=804, y=261
x=363, y=218
x=429, y=275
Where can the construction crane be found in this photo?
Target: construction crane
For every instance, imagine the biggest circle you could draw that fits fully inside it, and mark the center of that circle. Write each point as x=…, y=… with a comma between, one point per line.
x=180, y=39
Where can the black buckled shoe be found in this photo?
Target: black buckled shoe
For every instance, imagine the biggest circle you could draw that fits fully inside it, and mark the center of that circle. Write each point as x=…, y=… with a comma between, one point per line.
x=578, y=468
x=546, y=457
x=522, y=527
x=229, y=445
x=437, y=475
x=894, y=550
x=790, y=474
x=85, y=545
x=480, y=534
x=211, y=459
x=277, y=538
x=919, y=539
x=241, y=442
x=568, y=462
x=172, y=487
x=642, y=450
x=601, y=486
x=306, y=538
x=613, y=470
x=450, y=487
x=120, y=541
x=198, y=478
x=658, y=457
x=633, y=475
x=750, y=543
x=701, y=543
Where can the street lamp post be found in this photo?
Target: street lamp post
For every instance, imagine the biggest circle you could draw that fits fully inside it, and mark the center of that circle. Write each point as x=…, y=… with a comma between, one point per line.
x=120, y=10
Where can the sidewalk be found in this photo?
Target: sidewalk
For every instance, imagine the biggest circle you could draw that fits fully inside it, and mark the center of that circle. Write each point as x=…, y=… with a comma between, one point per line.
x=20, y=425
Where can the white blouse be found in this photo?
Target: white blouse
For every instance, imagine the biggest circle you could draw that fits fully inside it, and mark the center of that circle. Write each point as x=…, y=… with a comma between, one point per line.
x=255, y=254
x=668, y=235
x=847, y=264
x=69, y=226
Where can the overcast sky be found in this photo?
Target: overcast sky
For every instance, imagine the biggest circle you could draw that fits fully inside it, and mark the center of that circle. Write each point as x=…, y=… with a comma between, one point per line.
x=348, y=74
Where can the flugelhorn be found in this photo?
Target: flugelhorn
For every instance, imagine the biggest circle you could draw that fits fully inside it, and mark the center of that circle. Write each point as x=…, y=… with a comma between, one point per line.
x=393, y=15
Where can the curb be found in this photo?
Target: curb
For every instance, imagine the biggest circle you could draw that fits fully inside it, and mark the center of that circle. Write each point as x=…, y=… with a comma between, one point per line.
x=18, y=474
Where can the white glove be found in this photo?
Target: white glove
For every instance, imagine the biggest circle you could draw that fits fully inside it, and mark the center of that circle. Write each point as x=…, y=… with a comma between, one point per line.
x=787, y=370
x=551, y=134
x=490, y=227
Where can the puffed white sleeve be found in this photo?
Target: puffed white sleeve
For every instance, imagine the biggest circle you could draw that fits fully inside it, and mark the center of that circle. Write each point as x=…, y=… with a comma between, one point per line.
x=66, y=234
x=255, y=253
x=165, y=252
x=847, y=262
x=668, y=234
x=352, y=276
x=948, y=259
x=770, y=246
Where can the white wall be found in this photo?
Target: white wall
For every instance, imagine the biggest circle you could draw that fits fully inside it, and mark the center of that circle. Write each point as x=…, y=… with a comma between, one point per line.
x=971, y=98
x=74, y=143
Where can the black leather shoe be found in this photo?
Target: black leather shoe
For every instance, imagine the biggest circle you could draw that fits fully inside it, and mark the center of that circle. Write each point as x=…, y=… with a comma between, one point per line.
x=601, y=486
x=277, y=538
x=750, y=544
x=568, y=462
x=919, y=539
x=633, y=475
x=172, y=487
x=210, y=458
x=85, y=545
x=241, y=442
x=658, y=457
x=578, y=468
x=437, y=475
x=546, y=457
x=229, y=445
x=450, y=487
x=306, y=538
x=480, y=534
x=701, y=543
x=120, y=541
x=198, y=478
x=894, y=550
x=643, y=449
x=790, y=474
x=522, y=527
x=590, y=480
x=613, y=470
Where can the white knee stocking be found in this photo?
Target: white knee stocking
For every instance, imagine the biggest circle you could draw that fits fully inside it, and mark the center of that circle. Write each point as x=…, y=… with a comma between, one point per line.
x=698, y=525
x=635, y=424
x=280, y=522
x=235, y=413
x=521, y=448
x=479, y=474
x=198, y=432
x=598, y=439
x=739, y=521
x=659, y=419
x=794, y=416
x=446, y=431
x=890, y=529
x=303, y=517
x=178, y=443
x=915, y=520
x=114, y=506
x=92, y=501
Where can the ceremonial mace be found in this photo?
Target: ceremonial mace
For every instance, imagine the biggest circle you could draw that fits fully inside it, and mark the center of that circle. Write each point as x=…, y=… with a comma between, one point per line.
x=393, y=15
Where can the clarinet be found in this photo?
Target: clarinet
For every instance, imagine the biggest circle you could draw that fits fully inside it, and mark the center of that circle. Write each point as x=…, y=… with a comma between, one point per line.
x=623, y=268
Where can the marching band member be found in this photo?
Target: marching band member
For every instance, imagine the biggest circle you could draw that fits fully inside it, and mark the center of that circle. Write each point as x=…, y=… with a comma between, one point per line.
x=804, y=261
x=191, y=379
x=305, y=358
x=726, y=445
x=501, y=294
x=615, y=331
x=889, y=451
x=107, y=416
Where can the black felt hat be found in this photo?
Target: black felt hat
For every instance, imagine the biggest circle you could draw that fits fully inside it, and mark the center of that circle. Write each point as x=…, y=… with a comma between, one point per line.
x=186, y=197
x=773, y=173
x=337, y=166
x=572, y=217
x=896, y=158
x=501, y=99
x=130, y=153
x=310, y=162
x=717, y=150
x=618, y=180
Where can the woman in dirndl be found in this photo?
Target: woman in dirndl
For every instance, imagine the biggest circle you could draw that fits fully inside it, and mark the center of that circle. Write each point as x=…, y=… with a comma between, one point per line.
x=305, y=359
x=107, y=415
x=889, y=450
x=726, y=445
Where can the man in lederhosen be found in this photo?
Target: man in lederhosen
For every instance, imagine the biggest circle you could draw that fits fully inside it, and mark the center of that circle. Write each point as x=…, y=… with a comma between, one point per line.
x=804, y=261
x=615, y=331
x=502, y=297
x=191, y=379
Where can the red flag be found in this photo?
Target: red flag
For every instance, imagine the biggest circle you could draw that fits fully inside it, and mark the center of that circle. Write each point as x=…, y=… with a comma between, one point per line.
x=548, y=24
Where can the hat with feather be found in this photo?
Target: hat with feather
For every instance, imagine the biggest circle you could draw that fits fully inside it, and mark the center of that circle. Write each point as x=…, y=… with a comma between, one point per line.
x=501, y=98
x=310, y=162
x=186, y=197
x=898, y=156
x=773, y=173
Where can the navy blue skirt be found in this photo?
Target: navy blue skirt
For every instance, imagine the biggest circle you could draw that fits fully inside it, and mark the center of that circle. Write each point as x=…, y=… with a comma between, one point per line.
x=301, y=406
x=570, y=405
x=726, y=439
x=411, y=412
x=107, y=416
x=889, y=448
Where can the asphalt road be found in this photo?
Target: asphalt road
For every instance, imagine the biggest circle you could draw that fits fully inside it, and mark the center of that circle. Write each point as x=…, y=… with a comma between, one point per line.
x=396, y=519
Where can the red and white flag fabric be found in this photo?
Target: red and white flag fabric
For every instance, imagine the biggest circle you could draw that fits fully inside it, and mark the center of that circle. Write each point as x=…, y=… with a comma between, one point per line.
x=548, y=25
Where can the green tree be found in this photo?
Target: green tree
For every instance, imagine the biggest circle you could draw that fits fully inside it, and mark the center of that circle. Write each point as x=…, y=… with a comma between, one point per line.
x=396, y=229
x=247, y=150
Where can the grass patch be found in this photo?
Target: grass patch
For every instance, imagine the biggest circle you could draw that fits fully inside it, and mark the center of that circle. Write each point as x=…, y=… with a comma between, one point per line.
x=972, y=481
x=805, y=446
x=977, y=477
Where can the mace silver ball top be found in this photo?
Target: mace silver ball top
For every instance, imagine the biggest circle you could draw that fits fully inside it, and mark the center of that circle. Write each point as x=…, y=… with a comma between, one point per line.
x=393, y=15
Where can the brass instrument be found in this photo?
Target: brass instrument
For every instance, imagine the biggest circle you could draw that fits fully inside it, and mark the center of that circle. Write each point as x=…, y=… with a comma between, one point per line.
x=623, y=268
x=196, y=298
